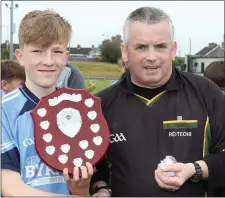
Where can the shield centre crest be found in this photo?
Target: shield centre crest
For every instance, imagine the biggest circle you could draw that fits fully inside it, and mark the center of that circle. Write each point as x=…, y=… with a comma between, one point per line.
x=70, y=129
x=69, y=121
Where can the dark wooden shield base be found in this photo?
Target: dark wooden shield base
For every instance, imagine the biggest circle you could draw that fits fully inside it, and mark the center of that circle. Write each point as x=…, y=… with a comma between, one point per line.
x=59, y=138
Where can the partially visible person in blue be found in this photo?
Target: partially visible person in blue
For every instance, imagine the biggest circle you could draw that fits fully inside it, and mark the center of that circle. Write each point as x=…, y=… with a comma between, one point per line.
x=12, y=76
x=216, y=72
x=124, y=70
x=70, y=77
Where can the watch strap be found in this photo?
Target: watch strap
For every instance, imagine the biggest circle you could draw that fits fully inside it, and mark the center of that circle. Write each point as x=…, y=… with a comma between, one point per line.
x=198, y=173
x=97, y=188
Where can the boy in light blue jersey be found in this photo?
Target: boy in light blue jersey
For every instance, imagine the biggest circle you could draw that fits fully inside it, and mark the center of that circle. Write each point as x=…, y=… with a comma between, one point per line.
x=43, y=38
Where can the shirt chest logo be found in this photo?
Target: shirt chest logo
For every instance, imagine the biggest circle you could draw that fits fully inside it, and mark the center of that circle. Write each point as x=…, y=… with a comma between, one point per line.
x=180, y=127
x=118, y=137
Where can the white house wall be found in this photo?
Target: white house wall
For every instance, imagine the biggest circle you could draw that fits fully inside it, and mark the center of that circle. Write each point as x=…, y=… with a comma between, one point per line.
x=206, y=62
x=199, y=61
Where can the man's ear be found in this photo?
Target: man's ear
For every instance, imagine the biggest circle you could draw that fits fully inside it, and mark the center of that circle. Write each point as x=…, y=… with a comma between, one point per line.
x=19, y=56
x=174, y=50
x=124, y=53
x=4, y=86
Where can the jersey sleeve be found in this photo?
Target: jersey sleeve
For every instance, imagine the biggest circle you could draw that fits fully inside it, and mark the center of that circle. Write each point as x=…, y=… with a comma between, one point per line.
x=10, y=158
x=215, y=160
x=217, y=121
x=76, y=80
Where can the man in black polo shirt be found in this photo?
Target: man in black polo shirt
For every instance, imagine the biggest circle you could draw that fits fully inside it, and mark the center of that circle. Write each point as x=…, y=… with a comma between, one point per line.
x=157, y=111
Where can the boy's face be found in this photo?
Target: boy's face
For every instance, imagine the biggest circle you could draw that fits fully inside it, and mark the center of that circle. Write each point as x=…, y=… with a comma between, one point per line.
x=42, y=66
x=9, y=86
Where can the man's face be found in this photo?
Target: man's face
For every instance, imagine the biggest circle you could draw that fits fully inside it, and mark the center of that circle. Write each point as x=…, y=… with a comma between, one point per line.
x=42, y=66
x=149, y=53
x=9, y=86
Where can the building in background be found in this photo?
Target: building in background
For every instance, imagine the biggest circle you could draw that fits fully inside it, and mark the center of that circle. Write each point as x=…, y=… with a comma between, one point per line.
x=76, y=53
x=197, y=63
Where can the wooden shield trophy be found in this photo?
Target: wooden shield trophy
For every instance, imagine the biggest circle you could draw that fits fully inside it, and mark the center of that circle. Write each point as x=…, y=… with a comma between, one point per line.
x=69, y=129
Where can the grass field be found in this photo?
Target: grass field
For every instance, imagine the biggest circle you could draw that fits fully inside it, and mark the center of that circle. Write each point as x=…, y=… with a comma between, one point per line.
x=97, y=69
x=100, y=84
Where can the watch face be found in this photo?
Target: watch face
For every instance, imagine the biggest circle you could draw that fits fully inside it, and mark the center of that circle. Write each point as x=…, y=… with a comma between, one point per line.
x=69, y=129
x=195, y=180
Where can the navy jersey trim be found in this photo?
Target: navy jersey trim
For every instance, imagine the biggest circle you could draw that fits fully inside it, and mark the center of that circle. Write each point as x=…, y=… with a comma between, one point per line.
x=28, y=94
x=11, y=160
x=28, y=106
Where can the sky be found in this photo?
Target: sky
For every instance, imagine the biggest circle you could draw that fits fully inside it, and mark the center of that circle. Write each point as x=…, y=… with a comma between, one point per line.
x=201, y=22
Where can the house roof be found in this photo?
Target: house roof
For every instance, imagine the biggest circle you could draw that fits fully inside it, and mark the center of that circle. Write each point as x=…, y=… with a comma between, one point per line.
x=212, y=50
x=84, y=51
x=207, y=49
x=216, y=52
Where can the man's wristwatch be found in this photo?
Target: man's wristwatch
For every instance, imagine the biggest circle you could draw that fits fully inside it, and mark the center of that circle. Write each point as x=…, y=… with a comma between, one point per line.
x=97, y=188
x=198, y=173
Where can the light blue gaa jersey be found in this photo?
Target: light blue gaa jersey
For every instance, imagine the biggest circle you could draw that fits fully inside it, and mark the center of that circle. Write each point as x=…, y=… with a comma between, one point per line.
x=18, y=150
x=2, y=93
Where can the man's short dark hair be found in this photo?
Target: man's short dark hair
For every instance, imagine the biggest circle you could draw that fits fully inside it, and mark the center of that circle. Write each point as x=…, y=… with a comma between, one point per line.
x=11, y=70
x=216, y=72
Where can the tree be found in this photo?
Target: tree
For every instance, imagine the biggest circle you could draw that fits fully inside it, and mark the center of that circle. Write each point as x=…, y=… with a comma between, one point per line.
x=178, y=61
x=110, y=49
x=5, y=53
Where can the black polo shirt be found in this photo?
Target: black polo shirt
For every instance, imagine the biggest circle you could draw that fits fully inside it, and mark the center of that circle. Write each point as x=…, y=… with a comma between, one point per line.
x=186, y=120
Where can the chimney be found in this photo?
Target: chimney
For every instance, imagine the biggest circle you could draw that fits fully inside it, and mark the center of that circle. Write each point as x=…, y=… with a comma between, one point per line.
x=212, y=45
x=113, y=38
x=118, y=37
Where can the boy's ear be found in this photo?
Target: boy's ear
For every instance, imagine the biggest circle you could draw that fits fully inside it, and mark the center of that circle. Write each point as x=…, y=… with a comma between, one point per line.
x=4, y=85
x=67, y=57
x=19, y=56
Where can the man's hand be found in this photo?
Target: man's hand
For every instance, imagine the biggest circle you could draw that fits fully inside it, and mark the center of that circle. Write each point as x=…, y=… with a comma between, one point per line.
x=79, y=185
x=183, y=173
x=102, y=193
